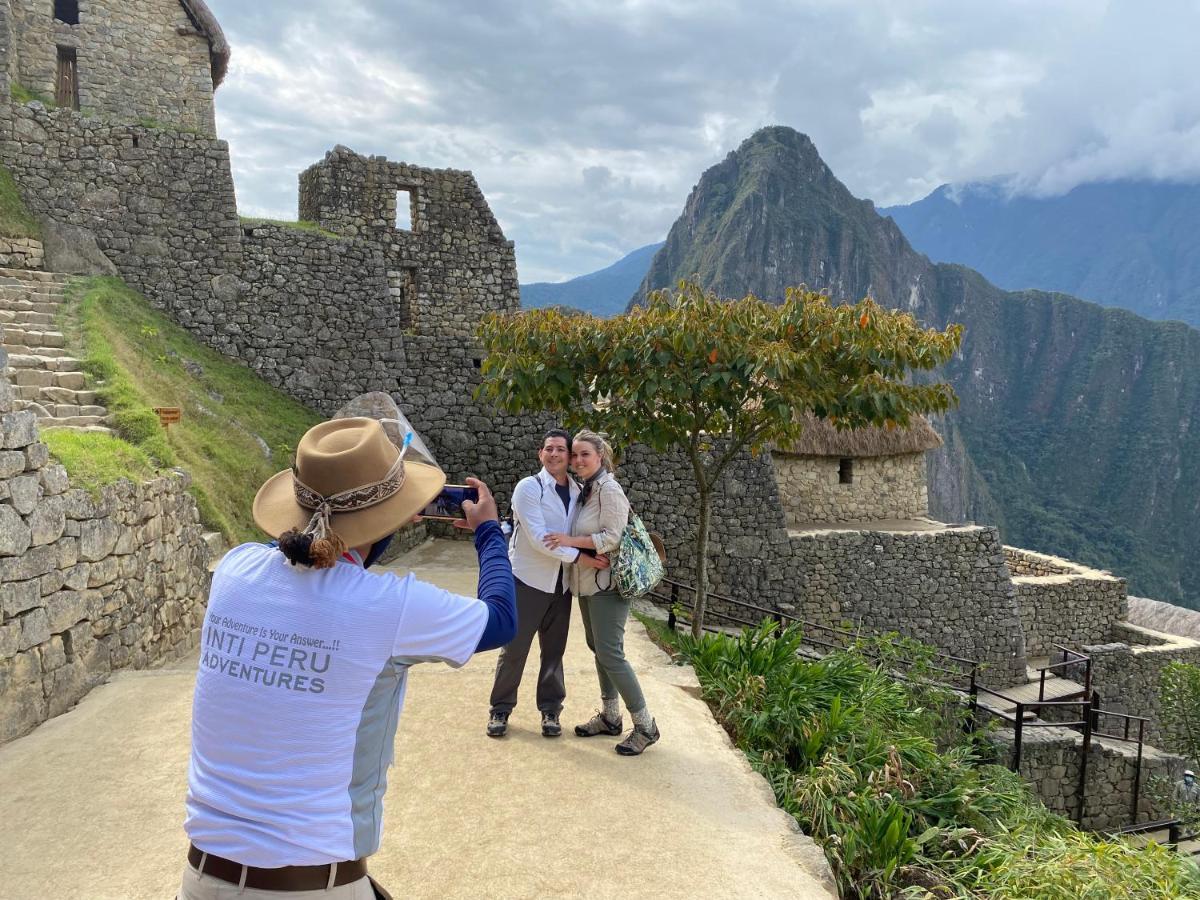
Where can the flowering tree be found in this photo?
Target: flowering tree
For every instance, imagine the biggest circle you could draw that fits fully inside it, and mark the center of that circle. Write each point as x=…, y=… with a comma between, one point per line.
x=712, y=377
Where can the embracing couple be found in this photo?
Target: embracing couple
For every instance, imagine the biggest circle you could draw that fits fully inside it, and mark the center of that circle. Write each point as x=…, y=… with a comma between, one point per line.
x=564, y=531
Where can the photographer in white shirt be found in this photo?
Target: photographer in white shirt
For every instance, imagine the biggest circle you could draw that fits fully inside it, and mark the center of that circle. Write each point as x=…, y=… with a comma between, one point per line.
x=542, y=504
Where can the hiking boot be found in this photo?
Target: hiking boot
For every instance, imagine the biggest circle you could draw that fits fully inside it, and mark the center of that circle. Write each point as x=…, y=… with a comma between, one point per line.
x=597, y=724
x=639, y=739
x=498, y=724
x=551, y=727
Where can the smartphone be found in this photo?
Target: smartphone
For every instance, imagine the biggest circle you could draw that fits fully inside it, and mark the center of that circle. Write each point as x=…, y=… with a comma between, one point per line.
x=448, y=505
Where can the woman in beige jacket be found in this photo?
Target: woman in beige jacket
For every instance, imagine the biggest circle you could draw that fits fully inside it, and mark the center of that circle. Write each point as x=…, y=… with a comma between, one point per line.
x=603, y=513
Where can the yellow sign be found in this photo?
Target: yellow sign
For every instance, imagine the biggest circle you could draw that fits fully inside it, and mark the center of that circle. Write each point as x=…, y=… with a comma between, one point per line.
x=168, y=415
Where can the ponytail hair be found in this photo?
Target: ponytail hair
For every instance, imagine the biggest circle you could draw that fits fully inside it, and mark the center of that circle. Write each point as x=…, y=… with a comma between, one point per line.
x=602, y=446
x=302, y=550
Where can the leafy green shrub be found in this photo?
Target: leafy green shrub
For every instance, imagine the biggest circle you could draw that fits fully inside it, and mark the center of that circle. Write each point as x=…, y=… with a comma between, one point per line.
x=903, y=805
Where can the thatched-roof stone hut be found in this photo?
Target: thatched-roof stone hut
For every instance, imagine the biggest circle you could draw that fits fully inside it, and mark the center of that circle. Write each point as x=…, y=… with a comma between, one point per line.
x=859, y=475
x=150, y=60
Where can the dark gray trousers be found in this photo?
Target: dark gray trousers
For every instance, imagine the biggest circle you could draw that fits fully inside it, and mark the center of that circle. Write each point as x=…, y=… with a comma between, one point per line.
x=549, y=617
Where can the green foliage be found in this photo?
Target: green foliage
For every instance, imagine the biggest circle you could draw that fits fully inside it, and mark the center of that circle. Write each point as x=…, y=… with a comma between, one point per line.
x=95, y=460
x=15, y=219
x=22, y=94
x=1179, y=706
x=853, y=755
x=140, y=359
x=711, y=377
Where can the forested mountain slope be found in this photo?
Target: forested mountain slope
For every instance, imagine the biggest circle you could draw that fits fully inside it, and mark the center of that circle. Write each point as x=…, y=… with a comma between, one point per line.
x=1079, y=428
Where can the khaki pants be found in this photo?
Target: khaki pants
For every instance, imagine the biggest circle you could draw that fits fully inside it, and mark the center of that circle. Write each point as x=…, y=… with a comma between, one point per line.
x=204, y=887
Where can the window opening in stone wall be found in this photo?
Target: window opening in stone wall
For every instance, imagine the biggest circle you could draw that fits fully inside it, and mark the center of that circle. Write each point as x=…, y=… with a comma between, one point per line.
x=402, y=286
x=66, y=83
x=846, y=471
x=67, y=11
x=404, y=210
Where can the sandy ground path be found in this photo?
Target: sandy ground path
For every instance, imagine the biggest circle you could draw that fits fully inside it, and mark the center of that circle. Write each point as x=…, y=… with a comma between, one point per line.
x=91, y=803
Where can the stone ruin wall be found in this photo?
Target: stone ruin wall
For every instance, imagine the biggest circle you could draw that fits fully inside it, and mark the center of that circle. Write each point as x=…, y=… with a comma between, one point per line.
x=88, y=584
x=1128, y=676
x=948, y=588
x=1063, y=603
x=883, y=487
x=1050, y=765
x=136, y=60
x=159, y=204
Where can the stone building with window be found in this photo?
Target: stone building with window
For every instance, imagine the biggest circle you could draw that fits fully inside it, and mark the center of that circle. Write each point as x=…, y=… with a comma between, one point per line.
x=157, y=61
x=859, y=475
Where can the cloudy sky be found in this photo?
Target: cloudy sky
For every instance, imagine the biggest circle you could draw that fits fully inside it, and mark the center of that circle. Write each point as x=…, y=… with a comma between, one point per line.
x=587, y=122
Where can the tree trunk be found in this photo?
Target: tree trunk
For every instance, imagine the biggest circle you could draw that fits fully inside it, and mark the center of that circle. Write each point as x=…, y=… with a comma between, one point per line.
x=701, y=565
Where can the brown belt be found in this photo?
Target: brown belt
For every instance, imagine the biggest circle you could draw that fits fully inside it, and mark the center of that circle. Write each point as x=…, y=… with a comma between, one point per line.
x=287, y=878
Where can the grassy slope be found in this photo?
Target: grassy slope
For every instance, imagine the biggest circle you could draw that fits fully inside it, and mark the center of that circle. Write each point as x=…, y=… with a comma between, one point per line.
x=15, y=219
x=230, y=416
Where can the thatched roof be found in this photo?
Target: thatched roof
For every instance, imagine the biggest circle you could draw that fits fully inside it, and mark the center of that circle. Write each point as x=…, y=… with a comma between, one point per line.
x=822, y=439
x=206, y=23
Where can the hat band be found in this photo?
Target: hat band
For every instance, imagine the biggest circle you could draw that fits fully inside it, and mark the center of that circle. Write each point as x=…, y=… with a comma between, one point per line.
x=354, y=499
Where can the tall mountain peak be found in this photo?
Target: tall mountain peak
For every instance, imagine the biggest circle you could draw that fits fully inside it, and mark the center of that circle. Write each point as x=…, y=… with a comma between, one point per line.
x=773, y=215
x=1072, y=431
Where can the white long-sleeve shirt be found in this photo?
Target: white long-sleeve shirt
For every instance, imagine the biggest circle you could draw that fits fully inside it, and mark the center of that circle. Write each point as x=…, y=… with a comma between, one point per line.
x=538, y=511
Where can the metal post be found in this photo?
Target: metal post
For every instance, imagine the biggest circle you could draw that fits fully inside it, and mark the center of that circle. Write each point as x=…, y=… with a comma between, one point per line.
x=1085, y=748
x=1173, y=834
x=671, y=620
x=1042, y=687
x=973, y=706
x=1137, y=773
x=1017, y=729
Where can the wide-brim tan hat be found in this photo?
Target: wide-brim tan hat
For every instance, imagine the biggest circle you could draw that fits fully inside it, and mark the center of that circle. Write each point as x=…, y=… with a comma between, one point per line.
x=347, y=462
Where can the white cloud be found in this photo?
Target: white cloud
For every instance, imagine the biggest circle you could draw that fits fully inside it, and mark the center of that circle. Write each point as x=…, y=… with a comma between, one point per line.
x=587, y=122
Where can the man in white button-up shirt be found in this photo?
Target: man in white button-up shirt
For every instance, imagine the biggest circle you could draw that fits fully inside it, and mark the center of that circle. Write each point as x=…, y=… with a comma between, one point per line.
x=541, y=504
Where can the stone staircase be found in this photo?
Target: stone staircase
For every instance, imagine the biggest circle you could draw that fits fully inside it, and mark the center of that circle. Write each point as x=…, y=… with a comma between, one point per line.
x=45, y=377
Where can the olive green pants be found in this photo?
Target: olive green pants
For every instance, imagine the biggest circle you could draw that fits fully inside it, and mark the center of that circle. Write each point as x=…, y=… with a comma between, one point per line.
x=604, y=616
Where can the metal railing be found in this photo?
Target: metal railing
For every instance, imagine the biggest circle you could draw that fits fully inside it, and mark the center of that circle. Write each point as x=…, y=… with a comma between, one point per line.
x=1070, y=658
x=965, y=671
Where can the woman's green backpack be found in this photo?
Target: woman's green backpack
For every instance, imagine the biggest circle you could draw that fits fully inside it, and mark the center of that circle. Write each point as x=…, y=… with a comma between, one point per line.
x=637, y=568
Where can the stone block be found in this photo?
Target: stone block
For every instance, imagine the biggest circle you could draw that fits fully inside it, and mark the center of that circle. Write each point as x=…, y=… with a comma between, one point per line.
x=24, y=492
x=67, y=550
x=79, y=504
x=22, y=703
x=76, y=577
x=12, y=462
x=18, y=596
x=54, y=480
x=103, y=571
x=54, y=655
x=15, y=534
x=66, y=608
x=10, y=640
x=35, y=628
x=47, y=521
x=97, y=539
x=37, y=455
x=18, y=429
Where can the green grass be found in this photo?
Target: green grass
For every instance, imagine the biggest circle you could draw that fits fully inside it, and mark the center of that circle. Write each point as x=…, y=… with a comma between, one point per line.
x=22, y=94
x=15, y=219
x=95, y=460
x=303, y=225
x=139, y=359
